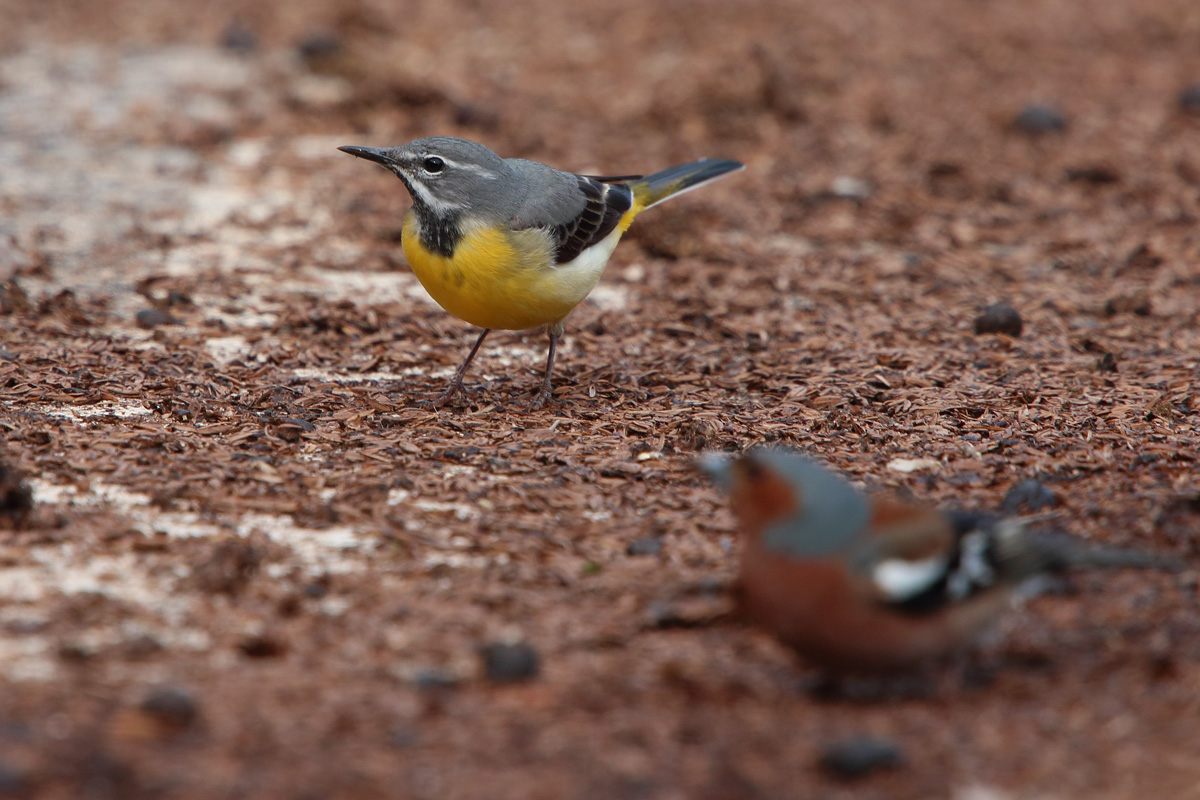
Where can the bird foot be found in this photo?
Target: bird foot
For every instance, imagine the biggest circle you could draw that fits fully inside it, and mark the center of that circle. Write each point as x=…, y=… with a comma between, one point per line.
x=453, y=390
x=545, y=396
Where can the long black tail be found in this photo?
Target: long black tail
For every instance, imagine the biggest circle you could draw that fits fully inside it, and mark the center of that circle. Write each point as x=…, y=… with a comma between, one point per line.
x=653, y=189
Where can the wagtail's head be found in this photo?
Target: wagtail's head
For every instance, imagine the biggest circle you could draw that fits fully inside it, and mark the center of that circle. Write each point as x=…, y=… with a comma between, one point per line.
x=444, y=174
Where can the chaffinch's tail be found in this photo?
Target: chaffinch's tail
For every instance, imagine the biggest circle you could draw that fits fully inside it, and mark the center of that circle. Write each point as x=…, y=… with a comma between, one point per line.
x=1068, y=551
x=1020, y=553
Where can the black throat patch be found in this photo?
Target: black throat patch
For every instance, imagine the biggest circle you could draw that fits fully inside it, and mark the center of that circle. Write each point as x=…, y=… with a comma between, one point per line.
x=439, y=233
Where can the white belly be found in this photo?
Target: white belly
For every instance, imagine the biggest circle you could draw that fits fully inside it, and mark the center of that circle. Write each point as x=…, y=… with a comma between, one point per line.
x=578, y=277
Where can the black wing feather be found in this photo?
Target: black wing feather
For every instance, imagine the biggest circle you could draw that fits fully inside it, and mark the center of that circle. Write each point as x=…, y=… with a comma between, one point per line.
x=974, y=565
x=606, y=204
x=615, y=178
x=991, y=551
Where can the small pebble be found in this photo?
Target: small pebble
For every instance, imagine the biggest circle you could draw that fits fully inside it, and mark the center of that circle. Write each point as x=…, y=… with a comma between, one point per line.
x=319, y=46
x=1189, y=99
x=1028, y=495
x=1038, y=118
x=859, y=756
x=402, y=736
x=849, y=188
x=1096, y=174
x=999, y=318
x=153, y=317
x=510, y=663
x=239, y=39
x=172, y=706
x=13, y=782
x=645, y=546
x=74, y=652
x=16, y=498
x=661, y=616
x=262, y=646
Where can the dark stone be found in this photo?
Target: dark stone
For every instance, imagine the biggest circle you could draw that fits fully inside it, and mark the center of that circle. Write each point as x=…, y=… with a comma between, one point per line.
x=1038, y=119
x=172, y=706
x=239, y=38
x=289, y=605
x=860, y=756
x=153, y=317
x=510, y=663
x=319, y=46
x=645, y=546
x=16, y=498
x=999, y=318
x=74, y=652
x=317, y=589
x=1095, y=174
x=1028, y=495
x=1189, y=99
x=13, y=782
x=262, y=646
x=402, y=736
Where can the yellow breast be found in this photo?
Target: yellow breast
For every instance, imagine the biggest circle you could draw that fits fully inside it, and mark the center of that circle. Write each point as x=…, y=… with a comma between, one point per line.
x=500, y=278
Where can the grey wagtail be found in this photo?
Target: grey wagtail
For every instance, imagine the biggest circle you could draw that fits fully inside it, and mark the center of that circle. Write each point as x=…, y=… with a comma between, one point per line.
x=513, y=244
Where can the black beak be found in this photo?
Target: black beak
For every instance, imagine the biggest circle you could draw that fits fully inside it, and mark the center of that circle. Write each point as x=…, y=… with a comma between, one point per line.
x=379, y=156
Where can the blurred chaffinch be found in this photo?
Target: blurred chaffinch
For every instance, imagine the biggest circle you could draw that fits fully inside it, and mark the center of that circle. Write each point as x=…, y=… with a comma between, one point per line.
x=863, y=584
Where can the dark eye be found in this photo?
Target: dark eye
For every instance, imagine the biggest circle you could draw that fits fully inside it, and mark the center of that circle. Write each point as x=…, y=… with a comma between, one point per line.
x=434, y=164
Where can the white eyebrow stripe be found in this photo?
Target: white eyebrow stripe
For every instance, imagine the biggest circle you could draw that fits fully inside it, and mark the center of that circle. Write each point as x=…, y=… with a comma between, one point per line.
x=482, y=172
